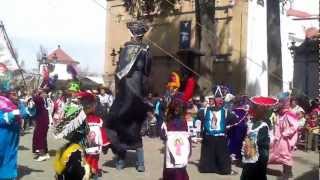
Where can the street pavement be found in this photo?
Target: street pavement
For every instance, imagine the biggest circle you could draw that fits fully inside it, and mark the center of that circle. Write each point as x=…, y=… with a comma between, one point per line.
x=306, y=164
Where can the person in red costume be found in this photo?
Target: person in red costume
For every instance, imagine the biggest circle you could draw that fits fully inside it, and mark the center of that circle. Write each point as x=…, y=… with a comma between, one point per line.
x=97, y=137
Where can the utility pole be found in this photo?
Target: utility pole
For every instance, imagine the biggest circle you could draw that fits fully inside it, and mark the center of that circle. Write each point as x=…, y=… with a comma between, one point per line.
x=2, y=28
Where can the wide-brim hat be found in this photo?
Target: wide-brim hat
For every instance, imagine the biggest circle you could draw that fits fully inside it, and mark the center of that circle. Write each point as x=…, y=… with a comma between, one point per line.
x=264, y=101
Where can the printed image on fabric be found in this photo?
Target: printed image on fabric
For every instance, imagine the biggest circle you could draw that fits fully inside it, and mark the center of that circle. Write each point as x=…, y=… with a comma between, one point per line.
x=177, y=149
x=250, y=148
x=94, y=140
x=215, y=122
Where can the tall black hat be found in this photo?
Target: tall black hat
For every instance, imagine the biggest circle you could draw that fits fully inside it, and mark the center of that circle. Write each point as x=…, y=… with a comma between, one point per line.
x=137, y=28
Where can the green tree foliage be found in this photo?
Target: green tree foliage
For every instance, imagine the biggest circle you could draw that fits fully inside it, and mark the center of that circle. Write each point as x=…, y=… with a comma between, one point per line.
x=145, y=8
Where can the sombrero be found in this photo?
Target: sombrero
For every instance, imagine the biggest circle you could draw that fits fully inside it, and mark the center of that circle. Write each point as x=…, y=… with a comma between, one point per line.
x=264, y=101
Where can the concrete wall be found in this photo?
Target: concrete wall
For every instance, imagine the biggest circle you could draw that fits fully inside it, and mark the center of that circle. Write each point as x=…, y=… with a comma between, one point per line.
x=257, y=58
x=231, y=41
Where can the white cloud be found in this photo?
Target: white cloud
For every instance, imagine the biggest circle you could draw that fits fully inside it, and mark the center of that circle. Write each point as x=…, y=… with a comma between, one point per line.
x=77, y=25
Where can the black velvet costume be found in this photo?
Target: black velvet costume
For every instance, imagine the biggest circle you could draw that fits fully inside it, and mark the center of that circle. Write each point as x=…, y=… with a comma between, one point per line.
x=129, y=110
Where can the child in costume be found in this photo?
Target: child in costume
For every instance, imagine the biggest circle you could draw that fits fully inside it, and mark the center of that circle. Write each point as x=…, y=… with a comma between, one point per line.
x=255, y=149
x=70, y=163
x=97, y=137
x=177, y=142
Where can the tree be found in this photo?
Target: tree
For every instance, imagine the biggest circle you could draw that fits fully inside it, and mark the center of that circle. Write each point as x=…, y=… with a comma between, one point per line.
x=22, y=64
x=41, y=53
x=141, y=9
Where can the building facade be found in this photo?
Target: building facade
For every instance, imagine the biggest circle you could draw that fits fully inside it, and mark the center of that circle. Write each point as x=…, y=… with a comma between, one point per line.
x=175, y=39
x=243, y=44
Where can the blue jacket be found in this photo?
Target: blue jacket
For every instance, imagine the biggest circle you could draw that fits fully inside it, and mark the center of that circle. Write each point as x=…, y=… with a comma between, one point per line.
x=26, y=112
x=9, y=142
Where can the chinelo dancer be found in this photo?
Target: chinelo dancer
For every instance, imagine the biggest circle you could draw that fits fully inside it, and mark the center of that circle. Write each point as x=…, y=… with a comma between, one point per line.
x=129, y=109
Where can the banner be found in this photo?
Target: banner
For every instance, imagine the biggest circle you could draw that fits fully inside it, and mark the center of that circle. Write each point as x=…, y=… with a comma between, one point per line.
x=185, y=34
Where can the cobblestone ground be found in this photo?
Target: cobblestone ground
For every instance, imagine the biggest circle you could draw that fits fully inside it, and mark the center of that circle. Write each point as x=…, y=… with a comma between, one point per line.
x=306, y=165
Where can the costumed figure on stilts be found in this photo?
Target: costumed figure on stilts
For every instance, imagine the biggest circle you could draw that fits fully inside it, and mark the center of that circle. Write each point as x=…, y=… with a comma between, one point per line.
x=128, y=111
x=255, y=148
x=214, y=156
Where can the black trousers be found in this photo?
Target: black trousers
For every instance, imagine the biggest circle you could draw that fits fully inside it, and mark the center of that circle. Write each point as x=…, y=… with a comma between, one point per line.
x=215, y=156
x=254, y=171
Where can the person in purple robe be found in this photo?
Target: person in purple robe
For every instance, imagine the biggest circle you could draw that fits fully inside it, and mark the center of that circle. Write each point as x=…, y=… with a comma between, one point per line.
x=39, y=141
x=237, y=133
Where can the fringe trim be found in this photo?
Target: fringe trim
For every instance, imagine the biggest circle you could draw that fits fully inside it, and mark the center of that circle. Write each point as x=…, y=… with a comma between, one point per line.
x=73, y=125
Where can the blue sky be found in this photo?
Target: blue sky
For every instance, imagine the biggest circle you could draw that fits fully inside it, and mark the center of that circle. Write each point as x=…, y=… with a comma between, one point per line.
x=77, y=25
